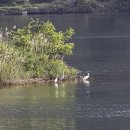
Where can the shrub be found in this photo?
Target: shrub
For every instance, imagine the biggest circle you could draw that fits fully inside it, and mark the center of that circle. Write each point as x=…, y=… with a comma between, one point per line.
x=36, y=50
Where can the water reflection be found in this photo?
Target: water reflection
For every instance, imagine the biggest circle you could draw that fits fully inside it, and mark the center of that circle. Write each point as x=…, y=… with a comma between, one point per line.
x=87, y=84
x=33, y=124
x=73, y=105
x=60, y=90
x=38, y=107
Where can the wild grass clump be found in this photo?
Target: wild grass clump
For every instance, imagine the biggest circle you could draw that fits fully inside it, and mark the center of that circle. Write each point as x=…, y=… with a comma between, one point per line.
x=11, y=66
x=35, y=51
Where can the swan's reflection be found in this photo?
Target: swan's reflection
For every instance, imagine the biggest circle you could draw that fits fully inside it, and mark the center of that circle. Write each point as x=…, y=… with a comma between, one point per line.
x=60, y=90
x=56, y=90
x=87, y=84
x=56, y=85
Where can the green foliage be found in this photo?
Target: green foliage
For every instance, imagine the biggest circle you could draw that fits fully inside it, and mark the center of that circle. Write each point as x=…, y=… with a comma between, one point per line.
x=61, y=6
x=36, y=50
x=41, y=38
x=22, y=2
x=10, y=62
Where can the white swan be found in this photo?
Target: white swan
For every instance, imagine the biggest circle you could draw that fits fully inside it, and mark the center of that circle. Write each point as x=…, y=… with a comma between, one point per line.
x=86, y=77
x=6, y=29
x=14, y=27
x=56, y=80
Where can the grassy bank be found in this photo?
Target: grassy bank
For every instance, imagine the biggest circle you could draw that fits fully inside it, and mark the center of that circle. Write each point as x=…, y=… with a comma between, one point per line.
x=34, y=53
x=67, y=6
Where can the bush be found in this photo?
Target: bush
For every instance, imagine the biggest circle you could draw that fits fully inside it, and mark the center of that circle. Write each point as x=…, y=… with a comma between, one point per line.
x=37, y=50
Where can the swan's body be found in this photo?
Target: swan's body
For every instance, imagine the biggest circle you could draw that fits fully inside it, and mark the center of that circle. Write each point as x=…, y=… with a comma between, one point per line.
x=86, y=77
x=6, y=29
x=56, y=80
x=14, y=27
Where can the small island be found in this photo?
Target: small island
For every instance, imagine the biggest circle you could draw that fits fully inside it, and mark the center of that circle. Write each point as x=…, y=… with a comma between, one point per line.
x=35, y=53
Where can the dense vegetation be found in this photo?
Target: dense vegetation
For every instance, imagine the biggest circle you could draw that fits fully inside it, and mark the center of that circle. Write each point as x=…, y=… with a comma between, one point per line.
x=18, y=2
x=105, y=5
x=35, y=51
x=63, y=6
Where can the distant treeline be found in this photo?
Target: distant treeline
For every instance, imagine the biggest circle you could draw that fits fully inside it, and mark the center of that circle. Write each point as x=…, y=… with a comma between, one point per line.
x=82, y=5
x=18, y=2
x=8, y=2
x=106, y=5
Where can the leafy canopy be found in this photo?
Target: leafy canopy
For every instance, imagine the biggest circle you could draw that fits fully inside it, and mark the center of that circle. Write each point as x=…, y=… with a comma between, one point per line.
x=41, y=38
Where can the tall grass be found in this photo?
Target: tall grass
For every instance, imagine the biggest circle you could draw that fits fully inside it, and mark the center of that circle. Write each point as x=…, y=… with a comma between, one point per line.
x=11, y=66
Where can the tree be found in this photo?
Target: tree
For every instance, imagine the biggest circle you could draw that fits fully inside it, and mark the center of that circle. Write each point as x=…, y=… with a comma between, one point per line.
x=42, y=38
x=43, y=48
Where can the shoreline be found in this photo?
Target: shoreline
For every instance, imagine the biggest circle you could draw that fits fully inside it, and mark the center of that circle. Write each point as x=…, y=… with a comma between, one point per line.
x=33, y=81
x=12, y=10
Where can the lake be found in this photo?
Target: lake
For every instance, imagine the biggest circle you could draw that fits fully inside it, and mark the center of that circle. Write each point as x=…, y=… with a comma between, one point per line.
x=102, y=47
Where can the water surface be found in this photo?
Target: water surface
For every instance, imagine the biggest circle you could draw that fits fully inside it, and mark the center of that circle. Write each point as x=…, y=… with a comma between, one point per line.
x=102, y=45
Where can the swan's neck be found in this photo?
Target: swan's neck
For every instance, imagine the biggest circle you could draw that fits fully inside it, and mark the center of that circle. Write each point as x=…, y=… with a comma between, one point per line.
x=63, y=74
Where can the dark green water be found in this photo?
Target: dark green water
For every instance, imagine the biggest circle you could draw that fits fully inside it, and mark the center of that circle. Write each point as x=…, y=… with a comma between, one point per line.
x=102, y=47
